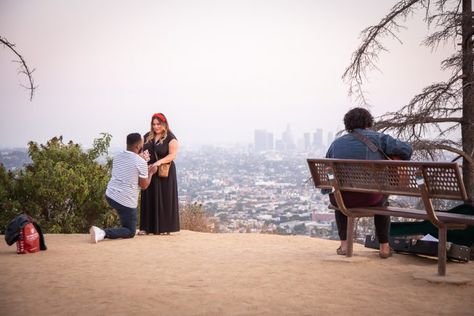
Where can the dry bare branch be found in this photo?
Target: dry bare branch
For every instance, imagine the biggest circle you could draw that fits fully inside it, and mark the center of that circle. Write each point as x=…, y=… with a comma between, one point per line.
x=453, y=62
x=434, y=146
x=437, y=108
x=24, y=69
x=366, y=55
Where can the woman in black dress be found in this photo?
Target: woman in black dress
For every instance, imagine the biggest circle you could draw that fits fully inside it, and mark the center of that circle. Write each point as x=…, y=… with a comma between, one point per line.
x=159, y=209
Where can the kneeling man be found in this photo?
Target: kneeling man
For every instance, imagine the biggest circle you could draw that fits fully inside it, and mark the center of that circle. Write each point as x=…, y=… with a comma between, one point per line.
x=130, y=172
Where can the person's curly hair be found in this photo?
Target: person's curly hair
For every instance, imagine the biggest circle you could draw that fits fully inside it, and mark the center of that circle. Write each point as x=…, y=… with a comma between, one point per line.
x=358, y=118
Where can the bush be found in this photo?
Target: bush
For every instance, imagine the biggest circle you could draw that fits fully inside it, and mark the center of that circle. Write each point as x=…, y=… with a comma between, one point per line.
x=63, y=188
x=192, y=217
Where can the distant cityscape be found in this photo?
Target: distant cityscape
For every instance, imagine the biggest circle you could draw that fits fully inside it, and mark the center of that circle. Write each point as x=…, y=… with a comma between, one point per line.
x=264, y=187
x=245, y=191
x=264, y=140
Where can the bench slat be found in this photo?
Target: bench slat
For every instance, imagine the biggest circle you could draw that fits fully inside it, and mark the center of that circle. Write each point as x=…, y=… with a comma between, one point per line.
x=445, y=217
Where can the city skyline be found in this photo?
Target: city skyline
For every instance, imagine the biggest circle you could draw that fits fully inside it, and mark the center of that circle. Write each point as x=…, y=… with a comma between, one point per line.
x=217, y=69
x=265, y=140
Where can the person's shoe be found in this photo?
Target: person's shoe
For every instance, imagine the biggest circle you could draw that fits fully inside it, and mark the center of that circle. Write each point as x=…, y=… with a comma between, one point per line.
x=385, y=255
x=341, y=251
x=97, y=234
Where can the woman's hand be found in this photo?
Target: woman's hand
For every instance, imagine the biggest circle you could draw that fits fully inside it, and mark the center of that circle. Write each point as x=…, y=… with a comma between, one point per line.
x=152, y=169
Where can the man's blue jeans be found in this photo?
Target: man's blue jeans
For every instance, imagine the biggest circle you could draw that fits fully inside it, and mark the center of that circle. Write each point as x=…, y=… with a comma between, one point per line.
x=128, y=219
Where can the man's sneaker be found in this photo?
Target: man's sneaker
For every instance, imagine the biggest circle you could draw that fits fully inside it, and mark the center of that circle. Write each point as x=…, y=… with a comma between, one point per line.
x=97, y=234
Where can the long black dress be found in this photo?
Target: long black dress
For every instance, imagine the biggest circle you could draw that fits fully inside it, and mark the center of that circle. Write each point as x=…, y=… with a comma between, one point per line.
x=159, y=209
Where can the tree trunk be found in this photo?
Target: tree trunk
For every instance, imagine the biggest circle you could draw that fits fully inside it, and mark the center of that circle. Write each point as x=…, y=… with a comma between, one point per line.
x=467, y=126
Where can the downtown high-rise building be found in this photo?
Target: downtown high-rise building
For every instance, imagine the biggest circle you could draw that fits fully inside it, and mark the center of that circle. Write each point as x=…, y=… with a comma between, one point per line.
x=307, y=141
x=263, y=140
x=318, y=138
x=288, y=139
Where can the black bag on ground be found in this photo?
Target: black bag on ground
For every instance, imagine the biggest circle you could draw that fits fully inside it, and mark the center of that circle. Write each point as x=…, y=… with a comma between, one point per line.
x=422, y=247
x=463, y=237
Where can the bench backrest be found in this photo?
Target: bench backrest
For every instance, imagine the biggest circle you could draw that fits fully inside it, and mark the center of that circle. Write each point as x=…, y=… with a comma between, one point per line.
x=442, y=179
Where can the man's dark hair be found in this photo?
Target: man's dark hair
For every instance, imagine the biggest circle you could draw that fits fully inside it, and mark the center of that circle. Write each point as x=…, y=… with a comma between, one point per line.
x=133, y=139
x=358, y=118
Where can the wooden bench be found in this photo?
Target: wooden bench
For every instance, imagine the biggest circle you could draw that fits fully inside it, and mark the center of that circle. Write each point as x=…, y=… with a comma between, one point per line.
x=428, y=180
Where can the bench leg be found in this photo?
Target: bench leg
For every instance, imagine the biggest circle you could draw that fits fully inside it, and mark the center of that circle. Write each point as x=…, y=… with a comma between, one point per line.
x=442, y=236
x=350, y=236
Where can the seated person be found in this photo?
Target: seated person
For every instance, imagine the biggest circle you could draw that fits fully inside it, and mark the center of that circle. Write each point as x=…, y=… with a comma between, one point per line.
x=351, y=146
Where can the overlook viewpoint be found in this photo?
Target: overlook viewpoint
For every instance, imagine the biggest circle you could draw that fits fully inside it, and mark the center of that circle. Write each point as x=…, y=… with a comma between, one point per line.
x=191, y=273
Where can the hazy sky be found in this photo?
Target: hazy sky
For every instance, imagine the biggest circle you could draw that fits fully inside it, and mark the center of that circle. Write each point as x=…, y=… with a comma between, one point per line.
x=218, y=69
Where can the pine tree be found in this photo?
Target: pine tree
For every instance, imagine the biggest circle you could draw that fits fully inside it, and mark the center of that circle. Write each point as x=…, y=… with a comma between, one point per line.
x=441, y=108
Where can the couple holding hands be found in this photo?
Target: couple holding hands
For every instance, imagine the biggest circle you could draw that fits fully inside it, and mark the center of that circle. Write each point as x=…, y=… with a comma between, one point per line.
x=136, y=168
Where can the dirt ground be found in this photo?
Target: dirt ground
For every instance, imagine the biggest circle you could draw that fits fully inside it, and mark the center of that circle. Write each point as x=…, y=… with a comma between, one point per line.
x=191, y=273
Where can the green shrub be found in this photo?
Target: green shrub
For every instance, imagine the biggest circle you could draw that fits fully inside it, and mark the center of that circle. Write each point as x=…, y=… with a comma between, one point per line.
x=9, y=205
x=63, y=188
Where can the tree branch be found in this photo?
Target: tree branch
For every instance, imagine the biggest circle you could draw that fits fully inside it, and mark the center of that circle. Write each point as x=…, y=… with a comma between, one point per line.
x=414, y=121
x=363, y=57
x=24, y=67
x=437, y=104
x=426, y=145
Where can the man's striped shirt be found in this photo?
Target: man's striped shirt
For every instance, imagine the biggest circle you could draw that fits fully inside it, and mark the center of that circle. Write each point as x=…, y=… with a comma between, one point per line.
x=123, y=187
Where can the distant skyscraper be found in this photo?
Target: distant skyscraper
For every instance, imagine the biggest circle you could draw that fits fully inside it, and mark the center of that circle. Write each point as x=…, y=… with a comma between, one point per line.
x=270, y=141
x=288, y=139
x=263, y=140
x=307, y=141
x=260, y=140
x=318, y=138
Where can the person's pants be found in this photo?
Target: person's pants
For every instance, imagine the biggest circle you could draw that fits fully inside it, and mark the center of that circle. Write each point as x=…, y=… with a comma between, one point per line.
x=128, y=220
x=352, y=199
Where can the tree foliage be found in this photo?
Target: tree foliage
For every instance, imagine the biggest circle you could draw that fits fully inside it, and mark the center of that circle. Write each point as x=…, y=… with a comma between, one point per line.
x=63, y=188
x=430, y=117
x=9, y=205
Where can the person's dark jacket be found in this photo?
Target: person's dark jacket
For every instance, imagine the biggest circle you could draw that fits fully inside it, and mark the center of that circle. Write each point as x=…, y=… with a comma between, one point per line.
x=12, y=233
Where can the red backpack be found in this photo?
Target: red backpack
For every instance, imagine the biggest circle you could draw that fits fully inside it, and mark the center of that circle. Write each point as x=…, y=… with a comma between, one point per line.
x=26, y=233
x=29, y=240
